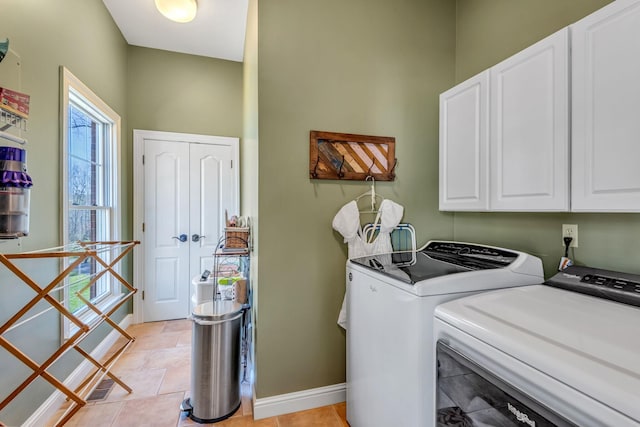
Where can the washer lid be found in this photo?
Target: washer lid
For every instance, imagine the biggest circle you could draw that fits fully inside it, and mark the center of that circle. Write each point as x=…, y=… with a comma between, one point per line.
x=438, y=258
x=217, y=310
x=586, y=342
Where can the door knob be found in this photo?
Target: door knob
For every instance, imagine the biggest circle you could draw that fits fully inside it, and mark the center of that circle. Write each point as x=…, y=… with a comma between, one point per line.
x=196, y=237
x=182, y=238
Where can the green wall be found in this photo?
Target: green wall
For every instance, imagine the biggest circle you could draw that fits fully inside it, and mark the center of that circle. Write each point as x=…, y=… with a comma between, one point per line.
x=370, y=67
x=489, y=31
x=80, y=35
x=174, y=92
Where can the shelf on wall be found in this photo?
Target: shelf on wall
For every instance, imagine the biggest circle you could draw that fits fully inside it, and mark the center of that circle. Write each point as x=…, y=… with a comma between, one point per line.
x=8, y=120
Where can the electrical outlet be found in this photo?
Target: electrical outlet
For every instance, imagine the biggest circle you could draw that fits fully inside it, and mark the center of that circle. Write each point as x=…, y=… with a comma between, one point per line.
x=570, y=230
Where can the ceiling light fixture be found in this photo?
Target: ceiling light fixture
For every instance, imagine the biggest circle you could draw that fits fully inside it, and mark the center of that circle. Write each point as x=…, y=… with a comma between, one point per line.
x=178, y=10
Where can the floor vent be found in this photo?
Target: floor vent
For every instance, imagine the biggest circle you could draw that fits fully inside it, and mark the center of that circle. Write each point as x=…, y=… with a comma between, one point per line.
x=101, y=391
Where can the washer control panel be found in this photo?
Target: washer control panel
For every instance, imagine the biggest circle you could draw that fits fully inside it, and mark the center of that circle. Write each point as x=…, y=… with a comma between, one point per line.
x=613, y=285
x=469, y=255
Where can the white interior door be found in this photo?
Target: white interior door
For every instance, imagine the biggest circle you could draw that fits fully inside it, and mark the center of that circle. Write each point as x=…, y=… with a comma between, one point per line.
x=166, y=218
x=212, y=190
x=188, y=182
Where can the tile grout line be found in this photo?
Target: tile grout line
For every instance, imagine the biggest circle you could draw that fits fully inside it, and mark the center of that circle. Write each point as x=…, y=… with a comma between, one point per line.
x=120, y=409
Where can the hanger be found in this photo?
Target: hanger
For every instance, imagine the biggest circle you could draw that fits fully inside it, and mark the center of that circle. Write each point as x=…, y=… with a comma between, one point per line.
x=372, y=193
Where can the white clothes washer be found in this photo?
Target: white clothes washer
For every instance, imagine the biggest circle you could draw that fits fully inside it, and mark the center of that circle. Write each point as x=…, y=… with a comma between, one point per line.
x=390, y=300
x=542, y=355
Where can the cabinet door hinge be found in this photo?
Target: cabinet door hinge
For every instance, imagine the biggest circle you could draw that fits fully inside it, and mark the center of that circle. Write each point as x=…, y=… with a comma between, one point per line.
x=231, y=164
x=143, y=227
x=143, y=295
x=143, y=159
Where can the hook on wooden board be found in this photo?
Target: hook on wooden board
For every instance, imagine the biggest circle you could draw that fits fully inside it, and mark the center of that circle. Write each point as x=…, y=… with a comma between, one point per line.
x=392, y=172
x=314, y=173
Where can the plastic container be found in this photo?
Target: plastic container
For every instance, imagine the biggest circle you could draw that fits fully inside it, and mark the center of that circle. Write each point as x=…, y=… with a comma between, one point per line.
x=202, y=291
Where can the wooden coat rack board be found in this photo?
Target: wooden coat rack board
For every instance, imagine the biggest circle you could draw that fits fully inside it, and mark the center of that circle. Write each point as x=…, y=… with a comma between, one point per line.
x=78, y=253
x=351, y=157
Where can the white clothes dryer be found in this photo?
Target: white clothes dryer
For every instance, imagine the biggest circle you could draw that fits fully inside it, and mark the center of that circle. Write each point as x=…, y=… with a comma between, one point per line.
x=542, y=355
x=390, y=299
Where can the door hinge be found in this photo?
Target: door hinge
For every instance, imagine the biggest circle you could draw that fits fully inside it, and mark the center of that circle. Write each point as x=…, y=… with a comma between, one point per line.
x=232, y=164
x=143, y=159
x=143, y=295
x=143, y=227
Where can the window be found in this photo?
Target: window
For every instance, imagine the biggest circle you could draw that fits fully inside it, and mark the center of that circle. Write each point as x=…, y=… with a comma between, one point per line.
x=90, y=188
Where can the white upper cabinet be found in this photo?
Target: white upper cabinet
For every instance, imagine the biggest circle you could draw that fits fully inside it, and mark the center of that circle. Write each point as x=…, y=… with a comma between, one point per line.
x=504, y=134
x=464, y=129
x=529, y=148
x=606, y=109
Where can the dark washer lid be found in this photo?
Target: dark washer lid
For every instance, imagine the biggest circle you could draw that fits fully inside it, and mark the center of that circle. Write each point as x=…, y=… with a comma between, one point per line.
x=217, y=310
x=438, y=258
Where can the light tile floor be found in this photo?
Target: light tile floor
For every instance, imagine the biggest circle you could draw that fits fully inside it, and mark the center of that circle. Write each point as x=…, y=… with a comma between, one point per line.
x=157, y=366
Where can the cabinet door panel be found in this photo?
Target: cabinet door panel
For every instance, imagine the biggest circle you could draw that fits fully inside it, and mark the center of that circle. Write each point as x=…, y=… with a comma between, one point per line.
x=530, y=128
x=463, y=145
x=605, y=109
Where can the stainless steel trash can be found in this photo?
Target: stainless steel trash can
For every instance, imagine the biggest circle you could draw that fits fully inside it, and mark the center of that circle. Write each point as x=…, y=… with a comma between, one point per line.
x=215, y=361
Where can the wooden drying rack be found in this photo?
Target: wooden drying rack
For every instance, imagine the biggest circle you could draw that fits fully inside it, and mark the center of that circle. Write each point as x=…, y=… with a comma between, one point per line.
x=81, y=252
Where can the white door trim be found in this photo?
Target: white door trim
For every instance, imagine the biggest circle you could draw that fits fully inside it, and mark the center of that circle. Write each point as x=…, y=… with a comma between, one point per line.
x=139, y=137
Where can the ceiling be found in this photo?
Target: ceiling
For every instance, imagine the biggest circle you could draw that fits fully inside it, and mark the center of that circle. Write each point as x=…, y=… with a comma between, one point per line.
x=218, y=30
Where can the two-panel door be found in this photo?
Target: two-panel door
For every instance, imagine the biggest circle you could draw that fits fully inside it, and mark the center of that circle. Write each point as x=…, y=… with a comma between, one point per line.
x=189, y=182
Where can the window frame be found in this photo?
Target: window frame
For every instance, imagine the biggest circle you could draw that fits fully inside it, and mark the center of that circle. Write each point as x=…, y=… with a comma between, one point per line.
x=72, y=90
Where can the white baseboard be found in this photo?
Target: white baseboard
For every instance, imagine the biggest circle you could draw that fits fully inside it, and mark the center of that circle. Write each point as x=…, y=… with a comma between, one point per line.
x=48, y=409
x=299, y=401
